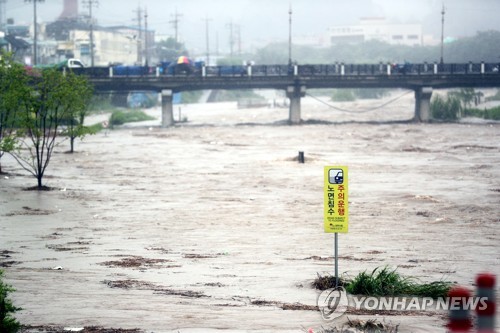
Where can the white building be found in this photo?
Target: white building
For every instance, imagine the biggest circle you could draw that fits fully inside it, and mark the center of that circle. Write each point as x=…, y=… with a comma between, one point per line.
x=376, y=28
x=111, y=46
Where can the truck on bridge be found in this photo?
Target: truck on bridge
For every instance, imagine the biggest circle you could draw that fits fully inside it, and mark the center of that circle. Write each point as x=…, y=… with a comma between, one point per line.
x=68, y=63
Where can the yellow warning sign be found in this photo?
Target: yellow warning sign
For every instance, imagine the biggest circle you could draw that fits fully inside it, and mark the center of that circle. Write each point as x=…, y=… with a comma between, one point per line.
x=336, y=210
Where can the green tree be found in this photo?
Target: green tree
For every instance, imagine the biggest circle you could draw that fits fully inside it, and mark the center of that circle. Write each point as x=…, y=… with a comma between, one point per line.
x=13, y=88
x=170, y=50
x=74, y=123
x=52, y=98
x=8, y=324
x=467, y=97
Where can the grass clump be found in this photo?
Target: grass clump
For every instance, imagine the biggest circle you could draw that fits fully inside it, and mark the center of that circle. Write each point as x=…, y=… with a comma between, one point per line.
x=8, y=324
x=327, y=282
x=386, y=282
x=493, y=113
x=120, y=117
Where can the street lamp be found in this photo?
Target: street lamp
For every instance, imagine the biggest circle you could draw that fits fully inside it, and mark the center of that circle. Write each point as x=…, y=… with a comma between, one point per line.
x=442, y=33
x=206, y=39
x=290, y=35
x=35, y=30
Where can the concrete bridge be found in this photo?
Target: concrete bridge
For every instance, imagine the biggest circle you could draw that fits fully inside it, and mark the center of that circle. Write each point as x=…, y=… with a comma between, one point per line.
x=295, y=80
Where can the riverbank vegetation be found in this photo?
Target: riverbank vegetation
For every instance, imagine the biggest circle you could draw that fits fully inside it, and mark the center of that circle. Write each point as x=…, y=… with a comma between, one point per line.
x=385, y=282
x=8, y=324
x=462, y=103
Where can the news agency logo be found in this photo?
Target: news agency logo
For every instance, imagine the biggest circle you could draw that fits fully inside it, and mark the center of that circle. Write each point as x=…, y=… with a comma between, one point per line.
x=333, y=303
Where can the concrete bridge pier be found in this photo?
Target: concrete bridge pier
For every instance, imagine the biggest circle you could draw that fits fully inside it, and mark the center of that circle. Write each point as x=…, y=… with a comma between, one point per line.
x=423, y=104
x=167, y=108
x=295, y=93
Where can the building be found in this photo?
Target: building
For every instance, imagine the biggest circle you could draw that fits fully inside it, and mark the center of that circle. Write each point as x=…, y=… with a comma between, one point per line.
x=110, y=47
x=70, y=37
x=376, y=28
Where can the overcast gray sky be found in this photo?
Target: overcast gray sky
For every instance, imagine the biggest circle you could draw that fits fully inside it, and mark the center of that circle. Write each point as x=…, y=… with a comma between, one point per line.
x=267, y=20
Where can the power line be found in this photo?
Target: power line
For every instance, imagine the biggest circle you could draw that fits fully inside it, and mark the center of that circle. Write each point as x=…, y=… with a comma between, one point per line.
x=361, y=111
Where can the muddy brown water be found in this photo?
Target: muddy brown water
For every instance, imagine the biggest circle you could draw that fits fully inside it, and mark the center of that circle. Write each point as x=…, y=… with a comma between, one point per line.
x=213, y=225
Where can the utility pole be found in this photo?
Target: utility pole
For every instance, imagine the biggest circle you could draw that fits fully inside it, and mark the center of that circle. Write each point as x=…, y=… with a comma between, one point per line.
x=217, y=43
x=207, y=39
x=290, y=35
x=231, y=38
x=2, y=15
x=91, y=4
x=238, y=35
x=35, y=30
x=175, y=23
x=139, y=35
x=146, y=44
x=442, y=34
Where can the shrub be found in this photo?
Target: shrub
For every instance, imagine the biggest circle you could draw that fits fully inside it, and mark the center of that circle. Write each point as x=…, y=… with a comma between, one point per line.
x=445, y=109
x=493, y=113
x=97, y=127
x=8, y=324
x=120, y=117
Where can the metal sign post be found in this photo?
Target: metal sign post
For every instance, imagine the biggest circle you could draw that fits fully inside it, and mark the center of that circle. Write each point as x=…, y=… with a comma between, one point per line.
x=336, y=206
x=336, y=259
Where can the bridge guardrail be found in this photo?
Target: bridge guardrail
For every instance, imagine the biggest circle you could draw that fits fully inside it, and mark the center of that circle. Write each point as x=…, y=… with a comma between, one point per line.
x=310, y=70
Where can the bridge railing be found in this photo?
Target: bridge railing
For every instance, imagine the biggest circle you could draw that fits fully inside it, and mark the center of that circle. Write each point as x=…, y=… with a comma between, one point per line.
x=224, y=71
x=271, y=70
x=338, y=69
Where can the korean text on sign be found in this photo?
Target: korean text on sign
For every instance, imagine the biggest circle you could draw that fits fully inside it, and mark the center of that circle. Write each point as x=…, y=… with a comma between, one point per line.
x=336, y=211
